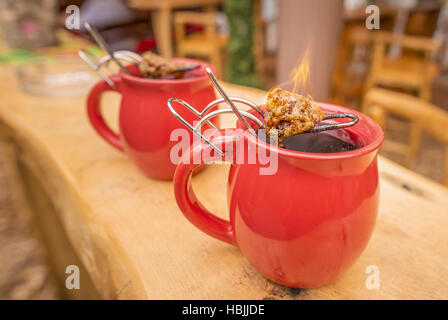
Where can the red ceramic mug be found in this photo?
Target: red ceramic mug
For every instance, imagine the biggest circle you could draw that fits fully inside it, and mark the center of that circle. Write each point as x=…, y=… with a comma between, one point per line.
x=145, y=122
x=304, y=225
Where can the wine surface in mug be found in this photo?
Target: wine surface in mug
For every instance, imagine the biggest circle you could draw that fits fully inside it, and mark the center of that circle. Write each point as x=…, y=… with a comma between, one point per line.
x=322, y=142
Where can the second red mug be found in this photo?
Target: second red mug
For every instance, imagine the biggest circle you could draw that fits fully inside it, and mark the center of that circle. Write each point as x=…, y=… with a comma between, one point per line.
x=145, y=122
x=307, y=223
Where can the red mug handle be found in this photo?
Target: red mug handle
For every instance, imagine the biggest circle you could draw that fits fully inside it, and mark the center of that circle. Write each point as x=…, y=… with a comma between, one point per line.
x=94, y=111
x=186, y=199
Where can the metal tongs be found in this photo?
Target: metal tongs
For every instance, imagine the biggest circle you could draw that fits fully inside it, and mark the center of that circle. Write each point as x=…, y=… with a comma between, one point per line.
x=206, y=115
x=96, y=64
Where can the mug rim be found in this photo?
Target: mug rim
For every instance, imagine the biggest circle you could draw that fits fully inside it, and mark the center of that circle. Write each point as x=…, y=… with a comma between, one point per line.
x=365, y=122
x=151, y=82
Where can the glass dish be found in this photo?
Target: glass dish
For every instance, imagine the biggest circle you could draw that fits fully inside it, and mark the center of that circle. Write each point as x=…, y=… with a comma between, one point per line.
x=57, y=77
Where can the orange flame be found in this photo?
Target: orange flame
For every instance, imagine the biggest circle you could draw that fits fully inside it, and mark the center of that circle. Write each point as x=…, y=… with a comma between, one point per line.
x=299, y=78
x=300, y=75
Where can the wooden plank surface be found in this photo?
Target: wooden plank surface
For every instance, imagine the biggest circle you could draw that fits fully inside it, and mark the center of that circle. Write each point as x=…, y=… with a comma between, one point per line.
x=135, y=243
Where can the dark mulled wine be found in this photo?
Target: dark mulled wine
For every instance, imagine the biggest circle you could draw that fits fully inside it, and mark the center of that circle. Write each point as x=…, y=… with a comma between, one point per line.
x=322, y=142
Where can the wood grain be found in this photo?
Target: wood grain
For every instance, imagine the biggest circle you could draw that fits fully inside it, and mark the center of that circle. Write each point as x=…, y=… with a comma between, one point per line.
x=135, y=243
x=24, y=271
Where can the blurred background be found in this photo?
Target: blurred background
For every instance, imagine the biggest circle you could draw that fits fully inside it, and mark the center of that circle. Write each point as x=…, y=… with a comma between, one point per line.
x=397, y=72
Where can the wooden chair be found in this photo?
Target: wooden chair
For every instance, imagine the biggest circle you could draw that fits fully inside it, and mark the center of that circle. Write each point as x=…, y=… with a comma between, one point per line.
x=207, y=44
x=349, y=76
x=379, y=103
x=353, y=57
x=413, y=70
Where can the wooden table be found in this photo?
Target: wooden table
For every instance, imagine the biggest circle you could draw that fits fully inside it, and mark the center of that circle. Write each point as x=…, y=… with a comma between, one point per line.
x=134, y=242
x=162, y=19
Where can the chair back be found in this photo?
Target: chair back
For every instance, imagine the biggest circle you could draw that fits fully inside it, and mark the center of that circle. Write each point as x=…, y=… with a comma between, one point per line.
x=184, y=18
x=379, y=103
